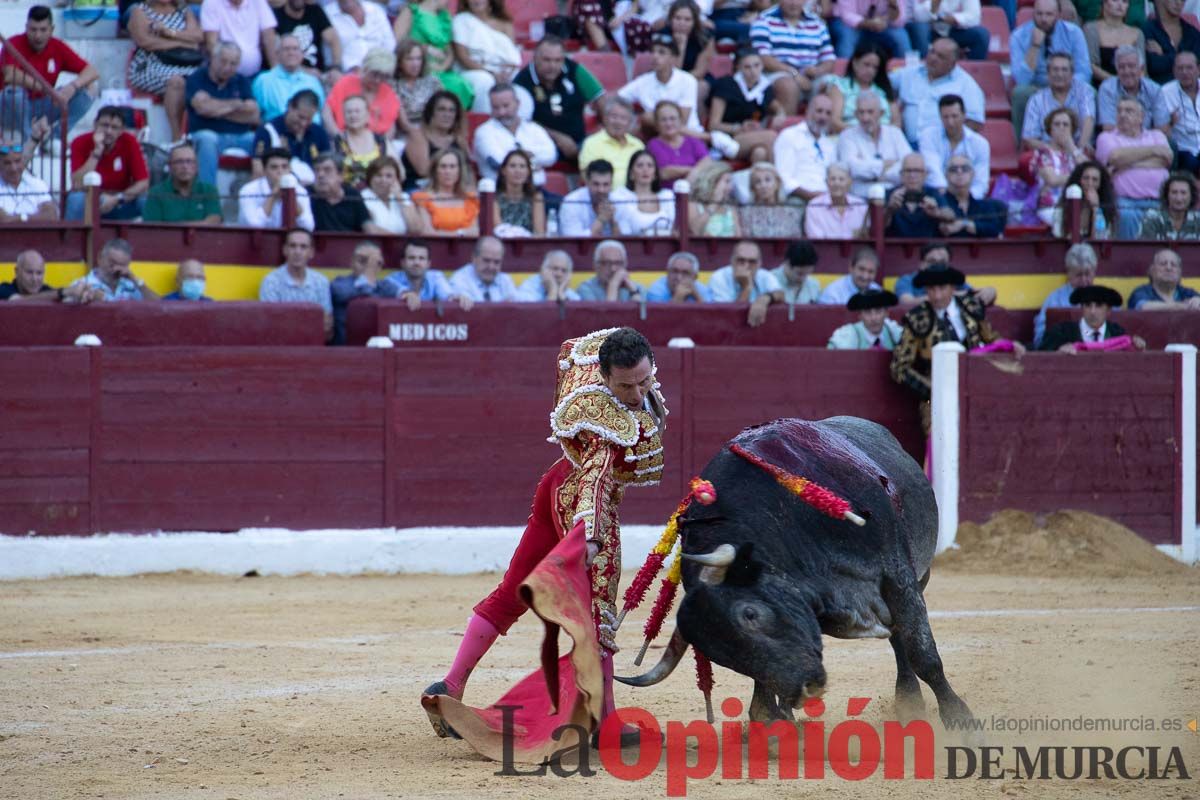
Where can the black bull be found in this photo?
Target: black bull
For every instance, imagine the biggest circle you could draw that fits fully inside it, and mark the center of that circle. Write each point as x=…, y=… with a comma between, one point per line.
x=767, y=574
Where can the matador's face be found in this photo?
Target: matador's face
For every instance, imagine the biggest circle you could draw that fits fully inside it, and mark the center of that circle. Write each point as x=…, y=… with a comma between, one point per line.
x=630, y=384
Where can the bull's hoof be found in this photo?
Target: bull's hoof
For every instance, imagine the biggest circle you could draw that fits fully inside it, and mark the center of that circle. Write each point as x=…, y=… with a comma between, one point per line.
x=909, y=707
x=440, y=726
x=957, y=719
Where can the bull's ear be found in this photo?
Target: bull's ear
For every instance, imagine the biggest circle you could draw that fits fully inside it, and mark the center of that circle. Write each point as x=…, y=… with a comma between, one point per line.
x=744, y=570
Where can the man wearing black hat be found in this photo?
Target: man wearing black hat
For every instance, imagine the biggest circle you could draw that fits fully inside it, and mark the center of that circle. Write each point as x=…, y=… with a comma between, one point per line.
x=1097, y=303
x=874, y=330
x=942, y=317
x=664, y=82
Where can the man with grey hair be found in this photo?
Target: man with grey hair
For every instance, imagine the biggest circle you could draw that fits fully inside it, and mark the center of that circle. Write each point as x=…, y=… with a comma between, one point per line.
x=1130, y=81
x=275, y=87
x=681, y=284
x=552, y=284
x=483, y=279
x=612, y=281
x=1081, y=263
x=222, y=112
x=249, y=24
x=613, y=142
x=111, y=279
x=873, y=151
x=506, y=131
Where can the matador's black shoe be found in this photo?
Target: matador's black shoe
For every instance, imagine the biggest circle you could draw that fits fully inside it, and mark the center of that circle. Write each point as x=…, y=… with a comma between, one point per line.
x=440, y=726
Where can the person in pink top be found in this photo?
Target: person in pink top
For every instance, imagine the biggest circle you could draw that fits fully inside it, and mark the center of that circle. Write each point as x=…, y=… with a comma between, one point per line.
x=836, y=214
x=1138, y=160
x=880, y=20
x=247, y=23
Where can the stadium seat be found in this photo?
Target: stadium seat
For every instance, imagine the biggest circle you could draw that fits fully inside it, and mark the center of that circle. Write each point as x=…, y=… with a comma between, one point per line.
x=474, y=120
x=999, y=133
x=525, y=12
x=720, y=66
x=1024, y=14
x=556, y=182
x=996, y=22
x=995, y=91
x=609, y=68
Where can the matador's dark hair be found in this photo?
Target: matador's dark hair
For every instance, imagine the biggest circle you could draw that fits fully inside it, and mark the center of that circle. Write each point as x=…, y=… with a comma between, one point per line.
x=624, y=347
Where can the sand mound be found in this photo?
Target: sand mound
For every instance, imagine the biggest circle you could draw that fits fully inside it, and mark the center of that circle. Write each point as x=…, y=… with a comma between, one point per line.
x=1065, y=543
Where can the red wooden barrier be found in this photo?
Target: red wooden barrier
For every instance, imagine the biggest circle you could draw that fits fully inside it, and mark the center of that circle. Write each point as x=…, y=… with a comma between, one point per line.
x=1090, y=432
x=109, y=439
x=1158, y=328
x=546, y=325
x=46, y=408
x=167, y=323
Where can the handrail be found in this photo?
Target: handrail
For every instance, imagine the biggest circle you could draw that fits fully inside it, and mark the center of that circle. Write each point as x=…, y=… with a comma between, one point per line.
x=64, y=118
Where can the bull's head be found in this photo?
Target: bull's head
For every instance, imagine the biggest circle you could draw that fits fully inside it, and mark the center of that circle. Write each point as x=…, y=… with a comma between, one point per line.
x=751, y=620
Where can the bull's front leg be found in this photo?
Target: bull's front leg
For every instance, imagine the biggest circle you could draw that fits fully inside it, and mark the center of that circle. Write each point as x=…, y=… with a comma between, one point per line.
x=764, y=707
x=910, y=624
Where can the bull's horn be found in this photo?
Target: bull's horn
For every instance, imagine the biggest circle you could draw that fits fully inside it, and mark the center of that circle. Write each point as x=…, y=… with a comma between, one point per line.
x=666, y=665
x=721, y=557
x=715, y=563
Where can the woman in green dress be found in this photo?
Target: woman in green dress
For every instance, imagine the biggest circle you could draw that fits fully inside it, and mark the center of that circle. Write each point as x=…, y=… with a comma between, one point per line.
x=430, y=23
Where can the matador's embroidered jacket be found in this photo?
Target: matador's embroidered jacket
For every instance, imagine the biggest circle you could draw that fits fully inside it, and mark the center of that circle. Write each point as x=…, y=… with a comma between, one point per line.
x=610, y=446
x=912, y=359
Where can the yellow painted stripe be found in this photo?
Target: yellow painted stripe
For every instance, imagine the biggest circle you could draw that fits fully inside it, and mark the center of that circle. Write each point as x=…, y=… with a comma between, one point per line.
x=234, y=282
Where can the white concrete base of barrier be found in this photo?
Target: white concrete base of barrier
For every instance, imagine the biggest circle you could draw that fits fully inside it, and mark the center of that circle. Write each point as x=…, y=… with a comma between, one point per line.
x=283, y=552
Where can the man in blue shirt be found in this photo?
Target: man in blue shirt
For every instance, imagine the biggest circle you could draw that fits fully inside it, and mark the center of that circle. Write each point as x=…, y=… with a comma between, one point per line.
x=274, y=88
x=296, y=132
x=416, y=282
x=1032, y=43
x=294, y=281
x=1081, y=264
x=189, y=282
x=1165, y=291
x=111, y=279
x=363, y=281
x=222, y=113
x=681, y=284
x=744, y=280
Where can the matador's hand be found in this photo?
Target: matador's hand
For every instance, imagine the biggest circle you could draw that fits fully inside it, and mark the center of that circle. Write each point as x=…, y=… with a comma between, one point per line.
x=607, y=631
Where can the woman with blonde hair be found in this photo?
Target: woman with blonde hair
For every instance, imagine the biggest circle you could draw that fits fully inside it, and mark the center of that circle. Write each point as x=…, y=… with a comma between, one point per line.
x=357, y=145
x=711, y=212
x=766, y=215
x=449, y=206
x=372, y=83
x=390, y=208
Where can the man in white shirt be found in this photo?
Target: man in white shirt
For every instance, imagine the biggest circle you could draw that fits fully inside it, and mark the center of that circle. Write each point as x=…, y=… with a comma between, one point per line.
x=921, y=87
x=483, y=280
x=22, y=196
x=744, y=280
x=871, y=150
x=805, y=150
x=260, y=202
x=864, y=266
x=954, y=138
x=664, y=82
x=588, y=211
x=360, y=27
x=1177, y=113
x=506, y=131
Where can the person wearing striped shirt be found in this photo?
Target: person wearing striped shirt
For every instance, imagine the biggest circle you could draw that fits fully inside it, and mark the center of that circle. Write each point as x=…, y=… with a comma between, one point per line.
x=795, y=48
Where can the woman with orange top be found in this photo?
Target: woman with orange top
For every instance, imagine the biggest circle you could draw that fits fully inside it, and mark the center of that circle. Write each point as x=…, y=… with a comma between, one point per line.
x=448, y=206
x=377, y=69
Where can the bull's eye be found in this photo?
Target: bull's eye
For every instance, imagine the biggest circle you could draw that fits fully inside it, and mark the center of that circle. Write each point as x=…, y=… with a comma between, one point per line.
x=752, y=615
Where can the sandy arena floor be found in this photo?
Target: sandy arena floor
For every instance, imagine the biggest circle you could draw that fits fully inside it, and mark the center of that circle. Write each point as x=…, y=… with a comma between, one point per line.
x=188, y=686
